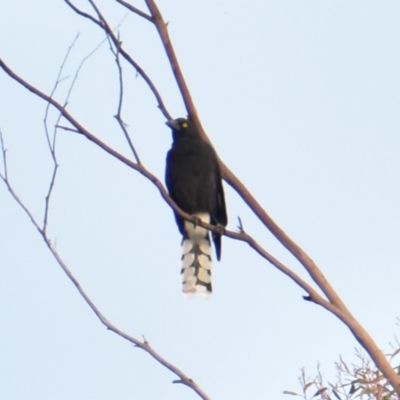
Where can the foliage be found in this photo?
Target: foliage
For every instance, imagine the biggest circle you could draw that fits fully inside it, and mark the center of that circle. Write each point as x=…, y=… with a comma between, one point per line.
x=359, y=380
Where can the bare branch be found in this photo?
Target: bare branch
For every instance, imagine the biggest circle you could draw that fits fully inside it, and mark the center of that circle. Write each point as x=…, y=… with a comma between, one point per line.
x=161, y=27
x=68, y=129
x=52, y=142
x=135, y=10
x=183, y=378
x=103, y=25
x=83, y=14
x=118, y=116
x=4, y=155
x=5, y=179
x=142, y=345
x=47, y=198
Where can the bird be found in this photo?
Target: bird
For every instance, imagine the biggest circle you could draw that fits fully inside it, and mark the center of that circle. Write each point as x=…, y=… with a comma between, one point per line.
x=194, y=182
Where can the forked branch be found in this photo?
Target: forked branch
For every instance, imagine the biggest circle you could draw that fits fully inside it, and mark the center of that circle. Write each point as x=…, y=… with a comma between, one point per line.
x=144, y=345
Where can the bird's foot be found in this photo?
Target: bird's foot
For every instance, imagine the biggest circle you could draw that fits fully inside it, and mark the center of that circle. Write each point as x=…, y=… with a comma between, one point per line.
x=219, y=229
x=195, y=220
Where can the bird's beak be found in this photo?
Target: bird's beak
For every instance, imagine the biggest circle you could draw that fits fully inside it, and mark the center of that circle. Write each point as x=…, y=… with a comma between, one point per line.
x=173, y=124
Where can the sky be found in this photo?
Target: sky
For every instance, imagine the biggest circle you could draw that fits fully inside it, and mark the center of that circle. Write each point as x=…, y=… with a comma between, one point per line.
x=300, y=99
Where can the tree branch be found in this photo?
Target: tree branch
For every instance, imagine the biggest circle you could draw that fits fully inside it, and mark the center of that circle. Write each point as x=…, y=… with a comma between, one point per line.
x=103, y=25
x=118, y=116
x=135, y=10
x=183, y=378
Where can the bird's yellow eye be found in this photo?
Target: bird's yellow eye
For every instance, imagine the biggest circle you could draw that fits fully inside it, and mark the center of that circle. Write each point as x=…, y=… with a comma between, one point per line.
x=185, y=125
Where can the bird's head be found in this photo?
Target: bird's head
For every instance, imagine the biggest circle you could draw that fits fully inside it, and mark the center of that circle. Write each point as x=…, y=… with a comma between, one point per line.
x=182, y=128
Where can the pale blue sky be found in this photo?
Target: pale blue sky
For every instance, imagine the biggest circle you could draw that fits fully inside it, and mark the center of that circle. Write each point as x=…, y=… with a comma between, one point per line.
x=300, y=98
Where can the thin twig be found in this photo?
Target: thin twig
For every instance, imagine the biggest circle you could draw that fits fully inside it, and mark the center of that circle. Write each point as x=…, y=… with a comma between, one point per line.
x=240, y=226
x=116, y=54
x=135, y=10
x=78, y=70
x=4, y=155
x=103, y=25
x=59, y=79
x=118, y=116
x=48, y=196
x=83, y=14
x=5, y=179
x=52, y=143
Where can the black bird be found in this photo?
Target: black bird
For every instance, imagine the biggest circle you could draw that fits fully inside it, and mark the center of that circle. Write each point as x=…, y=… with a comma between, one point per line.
x=193, y=179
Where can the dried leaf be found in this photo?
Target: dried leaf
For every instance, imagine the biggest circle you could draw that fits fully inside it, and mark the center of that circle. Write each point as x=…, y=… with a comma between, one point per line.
x=291, y=393
x=307, y=385
x=345, y=365
x=395, y=353
x=320, y=391
x=353, y=389
x=336, y=394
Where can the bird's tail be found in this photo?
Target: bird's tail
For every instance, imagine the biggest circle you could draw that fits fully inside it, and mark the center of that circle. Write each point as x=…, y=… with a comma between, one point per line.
x=196, y=259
